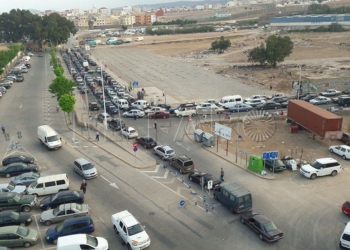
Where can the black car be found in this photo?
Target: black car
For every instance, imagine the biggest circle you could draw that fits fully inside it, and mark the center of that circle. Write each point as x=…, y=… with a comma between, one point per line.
x=279, y=99
x=115, y=124
x=27, y=65
x=346, y=92
x=17, y=168
x=261, y=225
x=11, y=218
x=17, y=158
x=112, y=110
x=309, y=97
x=5, y=85
x=19, y=78
x=269, y=105
x=164, y=106
x=197, y=178
x=302, y=95
x=60, y=198
x=146, y=142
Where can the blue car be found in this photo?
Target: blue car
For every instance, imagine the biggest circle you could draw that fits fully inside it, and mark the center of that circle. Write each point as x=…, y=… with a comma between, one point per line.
x=78, y=225
x=60, y=198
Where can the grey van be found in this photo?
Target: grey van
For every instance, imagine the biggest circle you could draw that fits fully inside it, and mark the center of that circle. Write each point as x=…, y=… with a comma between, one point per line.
x=234, y=196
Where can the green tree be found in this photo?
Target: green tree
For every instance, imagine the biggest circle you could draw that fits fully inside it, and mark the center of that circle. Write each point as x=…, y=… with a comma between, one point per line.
x=124, y=27
x=66, y=102
x=91, y=23
x=335, y=27
x=221, y=44
x=61, y=86
x=258, y=54
x=277, y=49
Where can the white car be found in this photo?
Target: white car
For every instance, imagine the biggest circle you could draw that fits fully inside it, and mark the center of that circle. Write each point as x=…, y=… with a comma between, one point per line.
x=255, y=102
x=320, y=100
x=342, y=150
x=330, y=92
x=5, y=188
x=129, y=132
x=30, y=54
x=256, y=97
x=345, y=237
x=321, y=167
x=133, y=113
x=165, y=152
x=154, y=110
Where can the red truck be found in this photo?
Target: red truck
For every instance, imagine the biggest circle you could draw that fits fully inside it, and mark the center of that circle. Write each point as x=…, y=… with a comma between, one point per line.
x=315, y=119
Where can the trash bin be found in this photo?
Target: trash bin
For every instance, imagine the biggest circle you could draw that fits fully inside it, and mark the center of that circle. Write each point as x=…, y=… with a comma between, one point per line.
x=198, y=135
x=208, y=140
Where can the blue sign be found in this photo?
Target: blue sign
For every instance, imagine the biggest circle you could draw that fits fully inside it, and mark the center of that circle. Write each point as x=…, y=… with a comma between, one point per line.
x=182, y=203
x=135, y=84
x=135, y=149
x=270, y=155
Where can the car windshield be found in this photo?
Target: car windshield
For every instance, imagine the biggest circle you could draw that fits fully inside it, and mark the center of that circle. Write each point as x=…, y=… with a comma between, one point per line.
x=56, y=210
x=22, y=157
x=88, y=166
x=59, y=227
x=33, y=185
x=14, y=215
x=91, y=240
x=188, y=163
x=346, y=237
x=52, y=138
x=316, y=164
x=279, y=163
x=135, y=229
x=211, y=178
x=10, y=187
x=17, y=197
x=22, y=231
x=149, y=140
x=170, y=151
x=76, y=193
x=53, y=197
x=132, y=131
x=270, y=227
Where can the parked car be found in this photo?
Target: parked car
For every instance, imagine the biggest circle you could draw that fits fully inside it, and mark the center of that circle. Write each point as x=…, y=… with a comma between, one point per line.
x=63, y=212
x=158, y=115
x=112, y=110
x=321, y=167
x=253, y=102
x=104, y=116
x=346, y=207
x=240, y=107
x=17, y=158
x=17, y=236
x=129, y=132
x=344, y=241
x=12, y=218
x=346, y=138
x=165, y=152
x=146, y=142
x=19, y=202
x=17, y=168
x=261, y=225
x=256, y=97
x=19, y=78
x=6, y=188
x=320, y=100
x=134, y=112
x=342, y=150
x=330, y=92
x=198, y=176
x=94, y=106
x=62, y=197
x=280, y=99
x=79, y=225
x=269, y=105
x=275, y=165
x=116, y=124
x=26, y=178
x=309, y=97
x=164, y=106
x=85, y=168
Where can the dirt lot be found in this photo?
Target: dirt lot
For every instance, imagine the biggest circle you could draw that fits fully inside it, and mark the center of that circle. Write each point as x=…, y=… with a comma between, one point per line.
x=3, y=47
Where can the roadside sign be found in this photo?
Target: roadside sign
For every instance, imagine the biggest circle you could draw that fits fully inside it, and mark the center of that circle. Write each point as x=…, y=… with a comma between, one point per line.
x=270, y=155
x=135, y=149
x=210, y=184
x=182, y=203
x=135, y=84
x=135, y=144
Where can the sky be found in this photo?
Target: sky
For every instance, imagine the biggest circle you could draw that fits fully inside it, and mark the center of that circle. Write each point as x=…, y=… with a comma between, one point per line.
x=60, y=5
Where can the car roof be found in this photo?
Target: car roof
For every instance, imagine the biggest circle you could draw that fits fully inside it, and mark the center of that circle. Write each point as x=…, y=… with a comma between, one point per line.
x=8, y=229
x=16, y=164
x=76, y=219
x=262, y=219
x=82, y=161
x=167, y=148
x=344, y=146
x=6, y=213
x=184, y=158
x=325, y=160
x=68, y=206
x=65, y=192
x=347, y=228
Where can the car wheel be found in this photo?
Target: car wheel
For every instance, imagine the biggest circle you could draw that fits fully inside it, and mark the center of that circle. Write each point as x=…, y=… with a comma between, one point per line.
x=8, y=175
x=334, y=173
x=345, y=104
x=163, y=158
x=276, y=107
x=180, y=116
x=116, y=230
x=124, y=116
x=129, y=247
x=344, y=157
x=242, y=220
x=55, y=242
x=313, y=176
x=261, y=237
x=331, y=150
x=26, y=208
x=47, y=223
x=48, y=208
x=27, y=244
x=327, y=102
x=232, y=210
x=181, y=171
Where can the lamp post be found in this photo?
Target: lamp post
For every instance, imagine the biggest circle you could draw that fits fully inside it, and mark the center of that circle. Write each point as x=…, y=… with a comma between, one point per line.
x=104, y=100
x=237, y=136
x=87, y=106
x=299, y=86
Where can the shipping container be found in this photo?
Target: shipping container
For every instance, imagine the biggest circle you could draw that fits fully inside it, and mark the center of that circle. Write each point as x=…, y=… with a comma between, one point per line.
x=315, y=119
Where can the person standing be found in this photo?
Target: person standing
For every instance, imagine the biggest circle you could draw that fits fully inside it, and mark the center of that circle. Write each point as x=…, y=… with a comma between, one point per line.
x=270, y=86
x=3, y=128
x=155, y=124
x=83, y=186
x=97, y=135
x=222, y=173
x=135, y=117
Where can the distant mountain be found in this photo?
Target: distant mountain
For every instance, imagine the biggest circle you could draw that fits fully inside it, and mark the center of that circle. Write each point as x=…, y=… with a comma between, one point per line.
x=182, y=3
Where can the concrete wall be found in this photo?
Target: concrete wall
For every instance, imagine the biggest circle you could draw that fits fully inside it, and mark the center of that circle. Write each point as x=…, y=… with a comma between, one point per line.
x=11, y=64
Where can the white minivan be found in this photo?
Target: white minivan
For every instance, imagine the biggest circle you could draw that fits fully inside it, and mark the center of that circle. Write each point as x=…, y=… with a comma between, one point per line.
x=49, y=137
x=140, y=104
x=122, y=104
x=48, y=185
x=81, y=241
x=229, y=101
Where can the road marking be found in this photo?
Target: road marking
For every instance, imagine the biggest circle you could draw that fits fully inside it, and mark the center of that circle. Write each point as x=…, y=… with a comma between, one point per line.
x=37, y=225
x=180, y=144
x=162, y=177
x=153, y=171
x=20, y=106
x=110, y=183
x=165, y=130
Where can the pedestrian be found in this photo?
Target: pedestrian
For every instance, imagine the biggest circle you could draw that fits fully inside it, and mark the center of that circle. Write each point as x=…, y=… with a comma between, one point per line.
x=58, y=108
x=135, y=117
x=222, y=174
x=270, y=86
x=97, y=135
x=3, y=128
x=152, y=102
x=155, y=124
x=83, y=186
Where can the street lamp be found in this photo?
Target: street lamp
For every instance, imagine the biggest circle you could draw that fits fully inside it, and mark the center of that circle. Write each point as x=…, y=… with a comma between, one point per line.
x=299, y=85
x=87, y=106
x=104, y=100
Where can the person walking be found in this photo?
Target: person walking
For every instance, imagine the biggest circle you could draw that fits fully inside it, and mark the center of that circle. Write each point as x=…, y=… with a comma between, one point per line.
x=3, y=128
x=135, y=117
x=155, y=124
x=83, y=186
x=97, y=135
x=222, y=173
x=270, y=86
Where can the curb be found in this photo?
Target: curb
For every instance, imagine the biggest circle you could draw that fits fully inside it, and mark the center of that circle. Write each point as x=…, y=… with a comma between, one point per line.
x=258, y=175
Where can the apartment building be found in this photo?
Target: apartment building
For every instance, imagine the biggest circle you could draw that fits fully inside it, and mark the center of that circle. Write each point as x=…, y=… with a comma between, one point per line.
x=127, y=20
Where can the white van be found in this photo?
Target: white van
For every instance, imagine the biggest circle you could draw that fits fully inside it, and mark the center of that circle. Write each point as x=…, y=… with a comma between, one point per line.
x=229, y=101
x=49, y=137
x=140, y=38
x=140, y=104
x=81, y=241
x=186, y=111
x=122, y=104
x=48, y=185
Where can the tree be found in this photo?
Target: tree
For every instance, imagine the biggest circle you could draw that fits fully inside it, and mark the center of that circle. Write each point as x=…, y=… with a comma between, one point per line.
x=61, y=86
x=335, y=27
x=277, y=49
x=124, y=27
x=221, y=44
x=67, y=102
x=91, y=23
x=258, y=54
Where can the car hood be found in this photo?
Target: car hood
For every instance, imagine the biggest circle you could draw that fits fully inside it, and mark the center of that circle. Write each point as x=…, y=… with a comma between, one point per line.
x=45, y=201
x=275, y=232
x=140, y=237
x=102, y=243
x=47, y=215
x=90, y=171
x=308, y=168
x=33, y=235
x=19, y=189
x=51, y=232
x=32, y=166
x=24, y=216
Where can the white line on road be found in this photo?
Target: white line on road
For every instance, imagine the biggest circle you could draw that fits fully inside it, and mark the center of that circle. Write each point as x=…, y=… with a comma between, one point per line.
x=20, y=106
x=110, y=183
x=37, y=225
x=180, y=144
x=153, y=171
x=162, y=177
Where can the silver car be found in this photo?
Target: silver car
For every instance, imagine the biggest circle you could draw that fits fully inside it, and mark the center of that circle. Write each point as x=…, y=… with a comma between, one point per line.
x=85, y=168
x=63, y=212
x=26, y=179
x=165, y=152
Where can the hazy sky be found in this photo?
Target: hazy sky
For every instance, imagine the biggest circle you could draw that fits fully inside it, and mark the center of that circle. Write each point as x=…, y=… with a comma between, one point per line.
x=7, y=5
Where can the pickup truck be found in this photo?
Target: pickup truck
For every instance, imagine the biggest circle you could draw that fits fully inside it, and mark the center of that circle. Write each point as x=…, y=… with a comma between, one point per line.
x=154, y=109
x=261, y=225
x=185, y=112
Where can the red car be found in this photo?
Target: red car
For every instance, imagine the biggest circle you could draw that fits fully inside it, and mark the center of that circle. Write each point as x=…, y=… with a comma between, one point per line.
x=346, y=207
x=159, y=115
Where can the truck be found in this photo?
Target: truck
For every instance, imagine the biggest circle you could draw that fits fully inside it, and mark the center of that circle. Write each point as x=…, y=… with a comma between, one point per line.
x=315, y=119
x=49, y=137
x=127, y=40
x=140, y=38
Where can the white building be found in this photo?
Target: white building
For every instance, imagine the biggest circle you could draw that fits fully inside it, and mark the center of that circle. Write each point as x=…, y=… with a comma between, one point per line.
x=105, y=11
x=199, y=7
x=93, y=11
x=127, y=9
x=127, y=20
x=231, y=4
